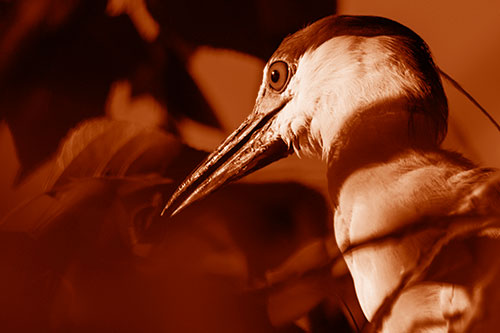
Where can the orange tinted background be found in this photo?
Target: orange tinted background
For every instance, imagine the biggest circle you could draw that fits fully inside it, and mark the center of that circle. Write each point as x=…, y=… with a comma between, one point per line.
x=198, y=277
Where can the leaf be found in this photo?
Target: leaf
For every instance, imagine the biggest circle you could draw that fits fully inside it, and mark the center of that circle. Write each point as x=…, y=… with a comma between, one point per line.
x=37, y=214
x=312, y=274
x=43, y=211
x=142, y=109
x=145, y=24
x=314, y=255
x=214, y=70
x=296, y=298
x=104, y=147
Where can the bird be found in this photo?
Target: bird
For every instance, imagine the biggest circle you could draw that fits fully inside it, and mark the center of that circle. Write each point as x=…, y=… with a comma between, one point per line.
x=416, y=224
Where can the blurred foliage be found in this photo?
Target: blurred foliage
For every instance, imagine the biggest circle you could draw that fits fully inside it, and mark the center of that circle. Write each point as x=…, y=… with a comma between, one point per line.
x=90, y=250
x=59, y=58
x=91, y=93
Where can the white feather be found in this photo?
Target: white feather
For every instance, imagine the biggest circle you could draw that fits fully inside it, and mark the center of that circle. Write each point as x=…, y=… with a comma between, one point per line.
x=336, y=81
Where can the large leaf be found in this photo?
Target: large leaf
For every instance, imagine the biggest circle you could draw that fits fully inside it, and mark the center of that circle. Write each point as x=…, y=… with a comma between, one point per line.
x=106, y=147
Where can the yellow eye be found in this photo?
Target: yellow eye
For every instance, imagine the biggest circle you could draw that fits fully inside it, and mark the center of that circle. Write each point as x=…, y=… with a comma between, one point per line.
x=278, y=75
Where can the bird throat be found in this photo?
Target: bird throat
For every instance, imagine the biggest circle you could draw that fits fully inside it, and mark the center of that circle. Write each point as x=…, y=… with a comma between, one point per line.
x=375, y=137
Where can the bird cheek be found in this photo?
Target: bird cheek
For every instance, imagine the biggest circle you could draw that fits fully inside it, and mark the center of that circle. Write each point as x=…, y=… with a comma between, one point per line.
x=282, y=125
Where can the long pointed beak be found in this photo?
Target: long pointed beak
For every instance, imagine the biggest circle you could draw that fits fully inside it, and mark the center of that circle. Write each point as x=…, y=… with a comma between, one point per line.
x=252, y=146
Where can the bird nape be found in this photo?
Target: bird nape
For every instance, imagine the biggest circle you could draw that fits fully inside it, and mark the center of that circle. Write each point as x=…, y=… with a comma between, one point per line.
x=363, y=94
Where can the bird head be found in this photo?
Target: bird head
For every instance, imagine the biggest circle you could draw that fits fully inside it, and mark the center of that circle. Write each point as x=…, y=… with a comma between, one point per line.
x=343, y=81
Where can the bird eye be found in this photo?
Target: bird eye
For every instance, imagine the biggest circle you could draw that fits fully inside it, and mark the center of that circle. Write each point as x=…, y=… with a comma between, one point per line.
x=278, y=75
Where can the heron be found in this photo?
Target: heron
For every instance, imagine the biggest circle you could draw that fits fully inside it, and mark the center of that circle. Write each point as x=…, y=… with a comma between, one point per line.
x=363, y=94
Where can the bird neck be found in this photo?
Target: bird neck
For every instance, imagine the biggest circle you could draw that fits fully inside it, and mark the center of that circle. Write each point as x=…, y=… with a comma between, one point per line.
x=376, y=137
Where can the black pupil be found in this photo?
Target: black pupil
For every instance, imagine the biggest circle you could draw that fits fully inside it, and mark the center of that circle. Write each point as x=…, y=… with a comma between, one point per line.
x=275, y=76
